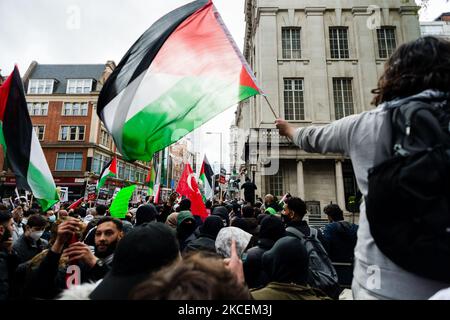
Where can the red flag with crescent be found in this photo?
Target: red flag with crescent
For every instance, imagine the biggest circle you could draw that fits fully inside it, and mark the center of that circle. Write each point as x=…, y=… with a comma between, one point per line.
x=188, y=187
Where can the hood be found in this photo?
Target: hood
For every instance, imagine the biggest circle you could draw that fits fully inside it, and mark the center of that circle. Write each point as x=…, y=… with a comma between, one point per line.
x=223, y=241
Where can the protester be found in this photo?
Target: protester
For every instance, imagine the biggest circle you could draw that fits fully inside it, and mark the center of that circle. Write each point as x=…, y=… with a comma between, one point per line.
x=48, y=280
x=144, y=250
x=249, y=190
x=17, y=215
x=412, y=69
x=8, y=260
x=171, y=220
x=271, y=230
x=207, y=237
x=185, y=228
x=222, y=212
x=225, y=237
x=340, y=240
x=146, y=213
x=286, y=265
x=30, y=243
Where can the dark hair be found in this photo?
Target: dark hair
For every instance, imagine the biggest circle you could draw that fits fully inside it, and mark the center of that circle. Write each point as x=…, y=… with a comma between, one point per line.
x=248, y=212
x=208, y=204
x=5, y=216
x=334, y=212
x=37, y=220
x=199, y=276
x=101, y=210
x=81, y=212
x=414, y=67
x=117, y=222
x=247, y=179
x=185, y=204
x=297, y=205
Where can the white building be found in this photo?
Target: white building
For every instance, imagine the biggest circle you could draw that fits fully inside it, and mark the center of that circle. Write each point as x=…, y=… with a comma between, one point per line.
x=317, y=61
x=438, y=28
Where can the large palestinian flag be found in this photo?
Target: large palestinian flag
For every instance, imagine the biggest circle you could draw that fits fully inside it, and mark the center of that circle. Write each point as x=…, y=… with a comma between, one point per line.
x=21, y=145
x=109, y=171
x=206, y=177
x=183, y=71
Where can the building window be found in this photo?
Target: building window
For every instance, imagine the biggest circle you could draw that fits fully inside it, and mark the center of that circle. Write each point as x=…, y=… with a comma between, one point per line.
x=276, y=183
x=40, y=131
x=294, y=108
x=386, y=41
x=38, y=108
x=120, y=166
x=40, y=86
x=343, y=97
x=71, y=133
x=339, y=43
x=99, y=162
x=69, y=161
x=104, y=138
x=75, y=109
x=127, y=172
x=291, y=45
x=79, y=85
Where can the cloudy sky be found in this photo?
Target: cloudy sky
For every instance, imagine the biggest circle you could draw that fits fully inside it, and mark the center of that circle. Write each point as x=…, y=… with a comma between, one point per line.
x=94, y=31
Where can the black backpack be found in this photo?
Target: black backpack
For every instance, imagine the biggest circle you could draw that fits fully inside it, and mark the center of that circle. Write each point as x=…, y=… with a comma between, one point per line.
x=321, y=272
x=408, y=201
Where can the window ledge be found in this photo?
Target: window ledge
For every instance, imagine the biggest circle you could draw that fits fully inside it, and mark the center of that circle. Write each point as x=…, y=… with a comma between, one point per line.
x=305, y=61
x=353, y=61
x=380, y=60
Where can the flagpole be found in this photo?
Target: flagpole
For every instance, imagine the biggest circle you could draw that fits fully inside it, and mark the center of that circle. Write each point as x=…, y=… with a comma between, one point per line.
x=270, y=106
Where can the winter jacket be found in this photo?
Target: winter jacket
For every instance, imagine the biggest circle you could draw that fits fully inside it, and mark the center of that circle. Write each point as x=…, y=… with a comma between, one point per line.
x=255, y=276
x=287, y=291
x=8, y=263
x=26, y=248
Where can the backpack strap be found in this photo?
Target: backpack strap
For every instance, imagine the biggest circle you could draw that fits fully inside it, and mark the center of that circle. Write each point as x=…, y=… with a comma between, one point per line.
x=296, y=232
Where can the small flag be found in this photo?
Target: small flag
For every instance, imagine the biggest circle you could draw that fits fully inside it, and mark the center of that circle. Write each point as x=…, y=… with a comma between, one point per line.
x=109, y=171
x=76, y=204
x=119, y=206
x=187, y=186
x=21, y=145
x=206, y=177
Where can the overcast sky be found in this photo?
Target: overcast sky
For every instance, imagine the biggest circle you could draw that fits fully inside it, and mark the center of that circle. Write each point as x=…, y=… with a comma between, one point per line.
x=94, y=31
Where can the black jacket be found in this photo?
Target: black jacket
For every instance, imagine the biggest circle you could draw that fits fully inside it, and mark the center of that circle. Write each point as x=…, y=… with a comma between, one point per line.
x=26, y=249
x=49, y=279
x=8, y=263
x=255, y=276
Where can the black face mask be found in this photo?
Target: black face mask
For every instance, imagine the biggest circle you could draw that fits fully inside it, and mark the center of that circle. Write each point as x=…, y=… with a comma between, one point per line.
x=111, y=248
x=286, y=219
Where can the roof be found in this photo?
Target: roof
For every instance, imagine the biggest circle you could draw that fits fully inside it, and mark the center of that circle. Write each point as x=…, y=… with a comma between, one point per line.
x=62, y=72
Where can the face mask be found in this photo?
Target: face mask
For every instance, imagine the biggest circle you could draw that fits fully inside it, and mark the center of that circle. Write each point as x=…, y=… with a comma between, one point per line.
x=285, y=219
x=24, y=221
x=36, y=235
x=52, y=218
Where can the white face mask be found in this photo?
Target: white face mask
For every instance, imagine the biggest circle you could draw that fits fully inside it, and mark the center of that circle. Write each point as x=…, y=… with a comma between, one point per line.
x=52, y=218
x=24, y=221
x=36, y=235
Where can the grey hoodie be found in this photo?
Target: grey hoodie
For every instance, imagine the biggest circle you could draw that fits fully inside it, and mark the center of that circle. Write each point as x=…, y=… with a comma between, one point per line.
x=365, y=138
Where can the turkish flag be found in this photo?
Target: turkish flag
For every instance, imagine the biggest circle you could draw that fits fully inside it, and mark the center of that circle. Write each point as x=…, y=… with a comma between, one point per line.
x=187, y=186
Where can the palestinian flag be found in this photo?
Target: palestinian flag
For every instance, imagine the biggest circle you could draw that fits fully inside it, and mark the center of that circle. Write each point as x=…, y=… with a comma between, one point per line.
x=206, y=177
x=183, y=71
x=109, y=171
x=21, y=145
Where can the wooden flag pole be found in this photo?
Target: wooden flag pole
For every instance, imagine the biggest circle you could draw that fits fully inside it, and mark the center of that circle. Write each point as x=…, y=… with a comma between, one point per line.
x=270, y=106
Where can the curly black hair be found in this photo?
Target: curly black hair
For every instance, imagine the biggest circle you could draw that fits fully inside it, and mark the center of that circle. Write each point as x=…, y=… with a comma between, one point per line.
x=414, y=67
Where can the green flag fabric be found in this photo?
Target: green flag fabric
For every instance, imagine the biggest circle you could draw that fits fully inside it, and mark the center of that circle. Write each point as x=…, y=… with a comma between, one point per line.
x=119, y=207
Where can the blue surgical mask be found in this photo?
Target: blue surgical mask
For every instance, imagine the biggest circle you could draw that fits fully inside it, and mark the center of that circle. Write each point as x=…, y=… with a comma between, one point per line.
x=52, y=218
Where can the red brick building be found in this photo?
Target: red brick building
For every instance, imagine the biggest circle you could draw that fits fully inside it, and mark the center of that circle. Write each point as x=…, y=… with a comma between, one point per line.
x=62, y=102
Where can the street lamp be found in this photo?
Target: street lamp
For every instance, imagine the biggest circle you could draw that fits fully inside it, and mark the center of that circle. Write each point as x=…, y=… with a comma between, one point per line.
x=220, y=165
